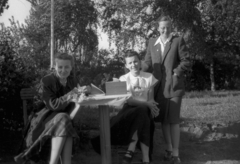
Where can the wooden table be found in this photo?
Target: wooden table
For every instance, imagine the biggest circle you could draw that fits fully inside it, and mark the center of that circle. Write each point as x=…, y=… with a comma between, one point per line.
x=103, y=102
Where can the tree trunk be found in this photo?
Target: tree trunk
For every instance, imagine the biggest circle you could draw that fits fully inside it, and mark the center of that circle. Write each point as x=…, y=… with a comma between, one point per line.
x=52, y=36
x=213, y=87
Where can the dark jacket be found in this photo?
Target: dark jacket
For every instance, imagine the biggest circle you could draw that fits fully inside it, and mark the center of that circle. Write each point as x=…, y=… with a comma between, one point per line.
x=175, y=59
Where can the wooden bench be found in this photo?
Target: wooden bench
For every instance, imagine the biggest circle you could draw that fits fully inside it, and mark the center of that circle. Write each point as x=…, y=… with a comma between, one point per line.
x=26, y=94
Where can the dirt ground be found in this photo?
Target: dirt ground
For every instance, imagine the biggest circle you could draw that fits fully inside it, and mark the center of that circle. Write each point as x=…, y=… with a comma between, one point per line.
x=204, y=144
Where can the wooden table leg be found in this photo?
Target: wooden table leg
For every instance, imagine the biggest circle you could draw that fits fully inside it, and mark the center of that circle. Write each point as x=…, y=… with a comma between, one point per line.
x=105, y=134
x=25, y=112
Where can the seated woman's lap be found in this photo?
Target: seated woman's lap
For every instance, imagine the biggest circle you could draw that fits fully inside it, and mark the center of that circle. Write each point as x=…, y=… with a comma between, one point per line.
x=128, y=121
x=62, y=117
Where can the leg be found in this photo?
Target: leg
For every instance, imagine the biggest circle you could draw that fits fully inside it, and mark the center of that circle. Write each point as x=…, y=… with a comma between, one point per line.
x=67, y=151
x=168, y=142
x=152, y=128
x=146, y=133
x=175, y=105
x=57, y=145
x=167, y=136
x=132, y=145
x=145, y=152
x=175, y=138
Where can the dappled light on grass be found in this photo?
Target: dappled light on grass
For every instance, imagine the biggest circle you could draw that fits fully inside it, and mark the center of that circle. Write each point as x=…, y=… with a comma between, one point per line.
x=212, y=109
x=223, y=162
x=208, y=94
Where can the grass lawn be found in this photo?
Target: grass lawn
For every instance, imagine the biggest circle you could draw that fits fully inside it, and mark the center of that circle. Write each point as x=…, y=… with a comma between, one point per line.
x=219, y=110
x=211, y=107
x=215, y=114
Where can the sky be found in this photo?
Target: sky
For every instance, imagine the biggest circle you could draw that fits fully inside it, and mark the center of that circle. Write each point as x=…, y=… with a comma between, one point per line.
x=19, y=9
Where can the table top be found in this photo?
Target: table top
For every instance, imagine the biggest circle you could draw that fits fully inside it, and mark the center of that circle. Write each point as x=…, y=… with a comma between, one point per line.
x=104, y=96
x=102, y=99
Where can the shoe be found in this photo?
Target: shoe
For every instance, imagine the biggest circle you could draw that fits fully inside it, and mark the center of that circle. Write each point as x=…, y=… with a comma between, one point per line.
x=175, y=160
x=168, y=155
x=145, y=163
x=127, y=159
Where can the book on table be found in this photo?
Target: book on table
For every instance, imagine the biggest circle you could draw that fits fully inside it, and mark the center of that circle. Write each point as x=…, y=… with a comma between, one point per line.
x=97, y=96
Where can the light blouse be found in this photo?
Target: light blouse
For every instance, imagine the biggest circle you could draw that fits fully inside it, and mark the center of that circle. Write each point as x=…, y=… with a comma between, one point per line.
x=139, y=86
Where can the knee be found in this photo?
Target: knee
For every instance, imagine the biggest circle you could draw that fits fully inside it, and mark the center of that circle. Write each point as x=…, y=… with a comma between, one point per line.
x=62, y=117
x=143, y=110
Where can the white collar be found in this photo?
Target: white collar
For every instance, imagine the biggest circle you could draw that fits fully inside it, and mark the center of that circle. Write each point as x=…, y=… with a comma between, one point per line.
x=135, y=76
x=160, y=41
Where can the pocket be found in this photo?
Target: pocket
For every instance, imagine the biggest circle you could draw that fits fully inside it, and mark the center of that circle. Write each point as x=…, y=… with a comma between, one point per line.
x=177, y=82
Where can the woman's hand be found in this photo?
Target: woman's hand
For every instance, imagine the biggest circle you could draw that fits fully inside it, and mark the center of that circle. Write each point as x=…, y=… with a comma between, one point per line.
x=78, y=98
x=152, y=105
x=79, y=94
x=84, y=89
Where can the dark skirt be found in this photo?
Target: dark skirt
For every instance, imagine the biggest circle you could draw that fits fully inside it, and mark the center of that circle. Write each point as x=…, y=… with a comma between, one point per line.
x=129, y=120
x=43, y=126
x=169, y=110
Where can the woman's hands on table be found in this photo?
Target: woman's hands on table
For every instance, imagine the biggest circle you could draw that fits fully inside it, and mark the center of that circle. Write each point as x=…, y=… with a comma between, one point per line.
x=84, y=89
x=80, y=93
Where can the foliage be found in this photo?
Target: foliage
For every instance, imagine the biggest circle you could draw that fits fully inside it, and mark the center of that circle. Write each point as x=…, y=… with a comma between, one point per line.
x=133, y=22
x=3, y=5
x=220, y=22
x=13, y=77
x=16, y=72
x=209, y=27
x=103, y=62
x=74, y=29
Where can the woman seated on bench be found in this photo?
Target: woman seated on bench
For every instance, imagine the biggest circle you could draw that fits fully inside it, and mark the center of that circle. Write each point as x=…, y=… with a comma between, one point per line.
x=50, y=132
x=133, y=122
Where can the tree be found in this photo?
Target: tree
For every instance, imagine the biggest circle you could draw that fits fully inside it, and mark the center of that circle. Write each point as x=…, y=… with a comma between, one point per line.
x=3, y=5
x=17, y=71
x=211, y=28
x=74, y=31
x=221, y=22
x=131, y=23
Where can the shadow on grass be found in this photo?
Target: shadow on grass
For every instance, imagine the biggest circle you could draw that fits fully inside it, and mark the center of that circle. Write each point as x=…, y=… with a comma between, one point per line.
x=223, y=146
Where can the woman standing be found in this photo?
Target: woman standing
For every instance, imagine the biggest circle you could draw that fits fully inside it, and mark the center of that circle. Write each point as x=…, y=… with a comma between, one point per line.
x=168, y=58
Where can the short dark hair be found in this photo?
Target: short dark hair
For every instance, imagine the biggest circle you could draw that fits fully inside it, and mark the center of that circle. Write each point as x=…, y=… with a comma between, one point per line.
x=130, y=53
x=63, y=56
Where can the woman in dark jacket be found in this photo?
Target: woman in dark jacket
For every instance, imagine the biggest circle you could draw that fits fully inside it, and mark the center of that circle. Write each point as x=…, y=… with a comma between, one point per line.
x=168, y=58
x=50, y=132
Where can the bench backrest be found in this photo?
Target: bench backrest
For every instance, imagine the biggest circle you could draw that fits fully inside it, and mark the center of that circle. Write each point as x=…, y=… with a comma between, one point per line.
x=26, y=94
